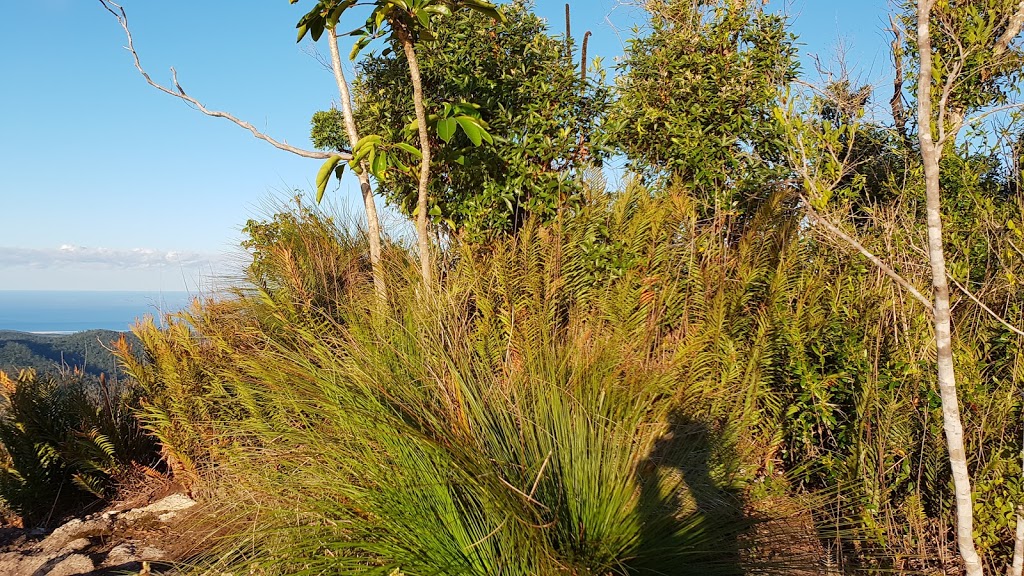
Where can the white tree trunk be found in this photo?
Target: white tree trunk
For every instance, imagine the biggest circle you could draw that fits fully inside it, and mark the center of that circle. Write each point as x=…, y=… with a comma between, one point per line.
x=372, y=221
x=951, y=423
x=423, y=240
x=1017, y=567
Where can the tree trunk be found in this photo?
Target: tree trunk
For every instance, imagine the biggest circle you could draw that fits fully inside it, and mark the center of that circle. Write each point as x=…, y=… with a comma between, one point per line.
x=423, y=240
x=372, y=221
x=1017, y=567
x=951, y=423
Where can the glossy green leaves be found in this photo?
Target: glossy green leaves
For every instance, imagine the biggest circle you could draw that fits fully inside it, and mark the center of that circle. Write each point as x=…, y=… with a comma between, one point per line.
x=324, y=175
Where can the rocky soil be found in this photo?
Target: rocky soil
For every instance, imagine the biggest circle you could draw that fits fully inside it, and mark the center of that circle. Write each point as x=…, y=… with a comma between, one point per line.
x=116, y=541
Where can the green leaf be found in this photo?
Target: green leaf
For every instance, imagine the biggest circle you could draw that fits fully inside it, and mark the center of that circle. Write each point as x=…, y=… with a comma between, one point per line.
x=317, y=29
x=435, y=211
x=324, y=175
x=303, y=28
x=485, y=8
x=335, y=16
x=410, y=149
x=360, y=153
x=369, y=139
x=378, y=165
x=446, y=129
x=424, y=17
x=471, y=128
x=359, y=45
x=439, y=9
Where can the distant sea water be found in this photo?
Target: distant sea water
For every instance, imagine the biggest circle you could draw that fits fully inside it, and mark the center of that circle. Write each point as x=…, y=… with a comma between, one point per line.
x=74, y=311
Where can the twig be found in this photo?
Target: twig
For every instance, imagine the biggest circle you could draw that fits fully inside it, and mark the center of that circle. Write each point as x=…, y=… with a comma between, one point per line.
x=991, y=313
x=540, y=473
x=899, y=113
x=178, y=92
x=867, y=254
x=526, y=496
x=484, y=539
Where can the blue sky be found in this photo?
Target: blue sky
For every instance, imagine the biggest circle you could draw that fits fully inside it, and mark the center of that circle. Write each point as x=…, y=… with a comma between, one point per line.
x=107, y=184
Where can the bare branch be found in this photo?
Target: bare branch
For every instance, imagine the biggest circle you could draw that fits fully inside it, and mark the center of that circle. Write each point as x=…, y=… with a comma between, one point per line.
x=995, y=110
x=990, y=312
x=885, y=268
x=899, y=113
x=1011, y=32
x=178, y=92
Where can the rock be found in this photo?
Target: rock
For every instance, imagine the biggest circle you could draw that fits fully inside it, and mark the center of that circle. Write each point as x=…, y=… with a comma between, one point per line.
x=121, y=554
x=77, y=545
x=150, y=553
x=162, y=510
x=69, y=550
x=15, y=563
x=72, y=565
x=75, y=530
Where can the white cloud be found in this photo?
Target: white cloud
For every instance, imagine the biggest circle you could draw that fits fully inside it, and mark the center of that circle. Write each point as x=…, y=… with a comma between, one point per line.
x=73, y=267
x=70, y=255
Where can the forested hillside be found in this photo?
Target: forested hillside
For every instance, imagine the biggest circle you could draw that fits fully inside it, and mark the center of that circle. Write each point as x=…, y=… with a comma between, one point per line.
x=88, y=351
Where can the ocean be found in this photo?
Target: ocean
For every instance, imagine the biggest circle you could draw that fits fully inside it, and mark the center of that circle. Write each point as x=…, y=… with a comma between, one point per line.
x=64, y=312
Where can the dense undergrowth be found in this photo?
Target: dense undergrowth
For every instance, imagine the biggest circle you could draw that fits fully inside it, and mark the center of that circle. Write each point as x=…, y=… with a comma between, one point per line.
x=629, y=390
x=66, y=444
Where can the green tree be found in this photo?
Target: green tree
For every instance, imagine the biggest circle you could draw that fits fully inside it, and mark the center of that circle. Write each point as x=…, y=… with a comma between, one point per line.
x=546, y=119
x=966, y=66
x=696, y=95
x=403, y=23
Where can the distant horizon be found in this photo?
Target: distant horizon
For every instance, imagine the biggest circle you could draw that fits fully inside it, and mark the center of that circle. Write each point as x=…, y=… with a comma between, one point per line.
x=142, y=291
x=37, y=311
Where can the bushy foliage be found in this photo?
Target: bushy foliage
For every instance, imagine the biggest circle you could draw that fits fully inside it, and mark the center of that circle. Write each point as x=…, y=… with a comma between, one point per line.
x=545, y=119
x=647, y=380
x=65, y=445
x=631, y=368
x=696, y=94
x=562, y=404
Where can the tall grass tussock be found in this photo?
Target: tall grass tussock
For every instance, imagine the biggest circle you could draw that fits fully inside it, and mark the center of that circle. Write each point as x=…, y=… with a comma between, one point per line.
x=629, y=390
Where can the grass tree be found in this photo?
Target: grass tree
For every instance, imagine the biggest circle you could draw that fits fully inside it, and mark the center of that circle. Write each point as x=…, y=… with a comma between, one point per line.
x=403, y=23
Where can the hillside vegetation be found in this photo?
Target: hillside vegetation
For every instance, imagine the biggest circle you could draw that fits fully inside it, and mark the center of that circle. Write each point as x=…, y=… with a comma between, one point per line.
x=88, y=351
x=788, y=342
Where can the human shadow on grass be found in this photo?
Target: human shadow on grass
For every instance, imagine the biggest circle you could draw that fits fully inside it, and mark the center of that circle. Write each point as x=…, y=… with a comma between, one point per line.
x=692, y=522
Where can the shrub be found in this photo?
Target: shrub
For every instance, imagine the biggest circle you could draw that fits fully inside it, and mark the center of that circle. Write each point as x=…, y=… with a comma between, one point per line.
x=65, y=445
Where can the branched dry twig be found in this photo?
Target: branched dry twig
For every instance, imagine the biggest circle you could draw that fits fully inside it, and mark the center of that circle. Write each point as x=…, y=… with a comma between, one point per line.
x=122, y=19
x=885, y=268
x=990, y=312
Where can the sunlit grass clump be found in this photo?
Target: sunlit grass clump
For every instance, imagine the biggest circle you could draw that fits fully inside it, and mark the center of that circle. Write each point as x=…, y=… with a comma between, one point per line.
x=546, y=410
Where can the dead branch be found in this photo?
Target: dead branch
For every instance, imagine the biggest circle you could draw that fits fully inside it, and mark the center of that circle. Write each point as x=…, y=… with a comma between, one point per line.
x=122, y=19
x=990, y=312
x=899, y=113
x=885, y=268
